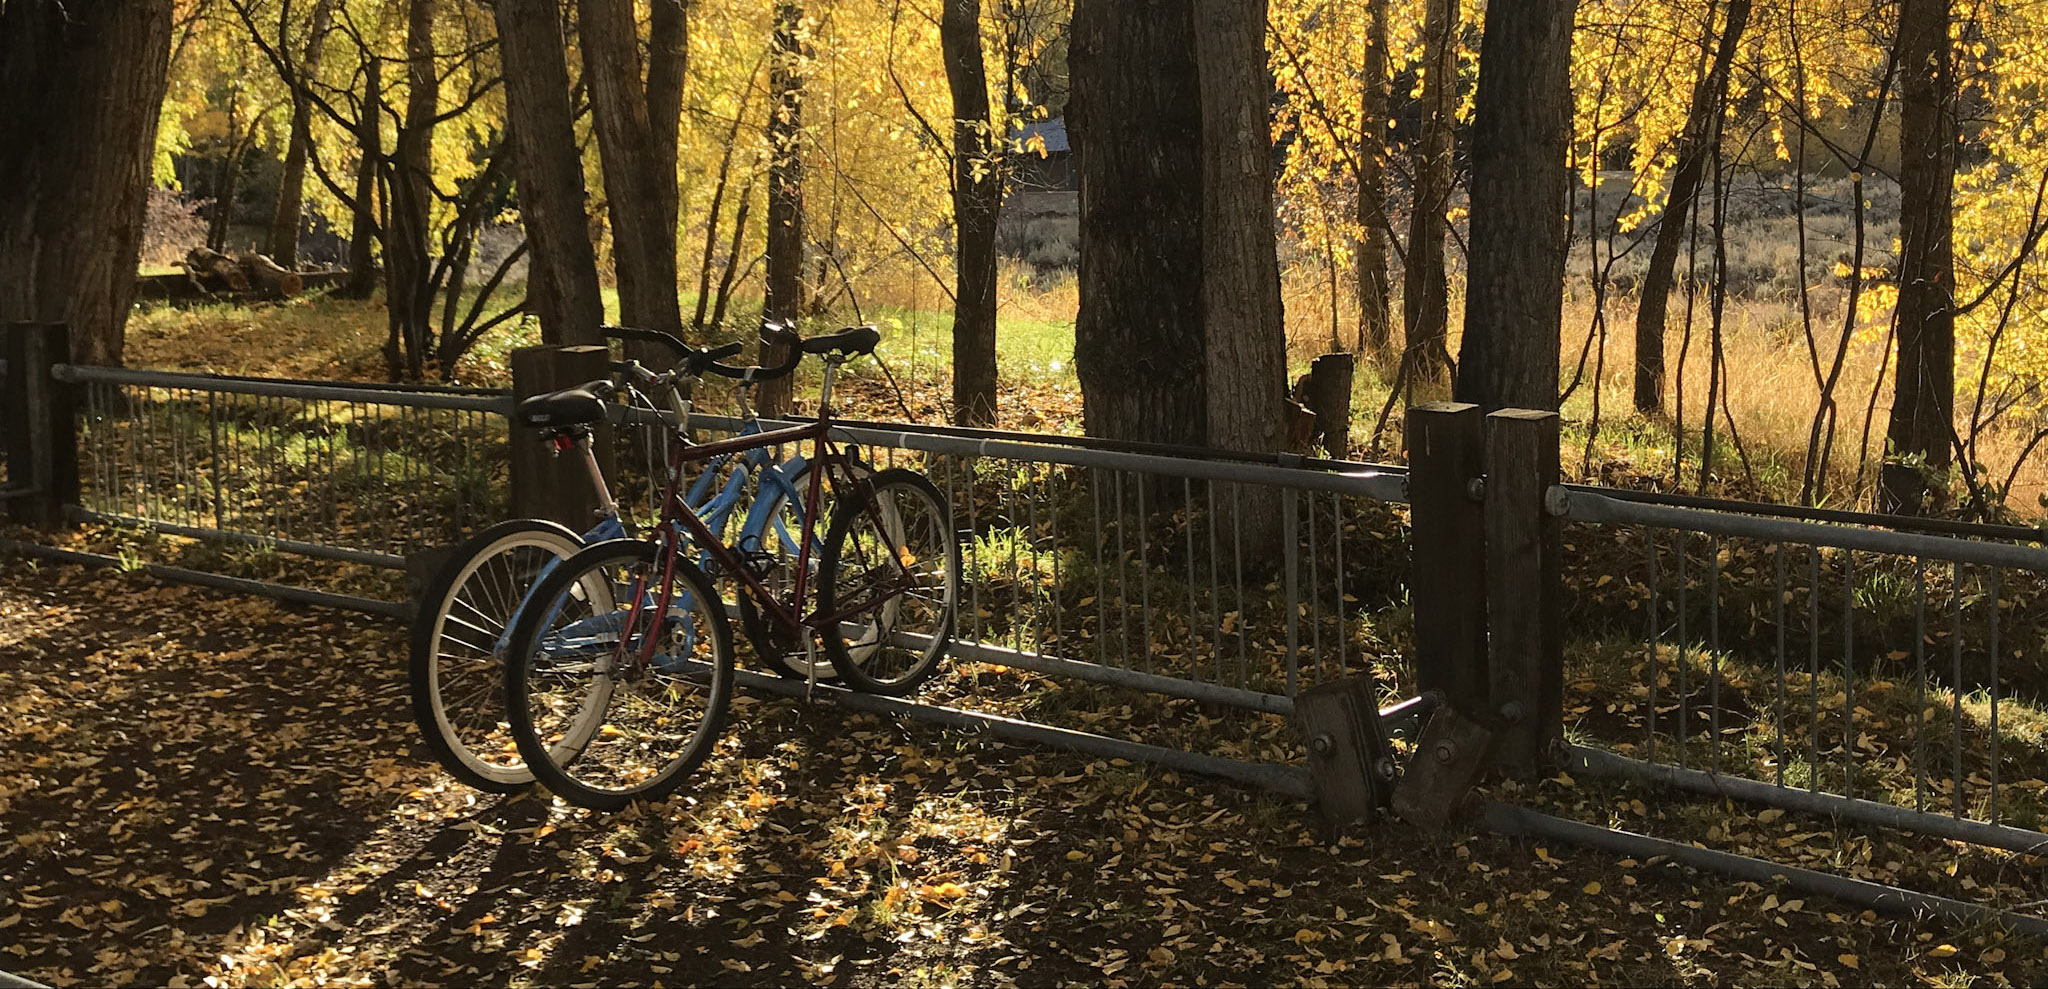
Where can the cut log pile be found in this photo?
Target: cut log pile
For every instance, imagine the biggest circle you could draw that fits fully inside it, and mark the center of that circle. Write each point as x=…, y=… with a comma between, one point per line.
x=211, y=275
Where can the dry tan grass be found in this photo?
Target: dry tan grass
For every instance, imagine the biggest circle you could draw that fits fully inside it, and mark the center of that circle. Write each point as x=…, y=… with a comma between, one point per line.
x=1771, y=393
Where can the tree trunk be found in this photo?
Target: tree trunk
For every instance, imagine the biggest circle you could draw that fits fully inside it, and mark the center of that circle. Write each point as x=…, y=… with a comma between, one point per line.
x=1245, y=341
x=1425, y=294
x=785, y=295
x=668, y=65
x=291, y=181
x=363, y=231
x=224, y=176
x=977, y=198
x=408, y=284
x=1702, y=132
x=643, y=238
x=81, y=84
x=1375, y=318
x=1918, y=457
x=550, y=172
x=1522, y=120
x=1136, y=122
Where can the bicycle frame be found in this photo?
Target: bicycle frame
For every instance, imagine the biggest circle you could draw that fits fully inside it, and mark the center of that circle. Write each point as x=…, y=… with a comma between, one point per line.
x=678, y=521
x=712, y=510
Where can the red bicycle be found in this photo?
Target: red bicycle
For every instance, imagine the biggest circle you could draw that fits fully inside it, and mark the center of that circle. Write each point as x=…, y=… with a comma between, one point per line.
x=621, y=668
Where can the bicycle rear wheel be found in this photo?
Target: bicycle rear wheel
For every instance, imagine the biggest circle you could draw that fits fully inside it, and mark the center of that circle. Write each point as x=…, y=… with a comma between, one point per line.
x=459, y=637
x=891, y=572
x=600, y=721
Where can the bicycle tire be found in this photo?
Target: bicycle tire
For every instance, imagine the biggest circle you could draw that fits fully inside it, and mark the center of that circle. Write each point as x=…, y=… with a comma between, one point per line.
x=594, y=749
x=869, y=528
x=485, y=577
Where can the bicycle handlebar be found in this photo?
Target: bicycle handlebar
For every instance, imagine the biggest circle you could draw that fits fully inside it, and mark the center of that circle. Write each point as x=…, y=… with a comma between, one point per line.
x=698, y=361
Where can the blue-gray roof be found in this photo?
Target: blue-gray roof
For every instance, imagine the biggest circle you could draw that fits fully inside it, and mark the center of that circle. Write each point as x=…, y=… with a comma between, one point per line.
x=1054, y=133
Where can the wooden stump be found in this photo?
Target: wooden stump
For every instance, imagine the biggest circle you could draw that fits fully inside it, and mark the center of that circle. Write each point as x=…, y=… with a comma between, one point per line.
x=1326, y=391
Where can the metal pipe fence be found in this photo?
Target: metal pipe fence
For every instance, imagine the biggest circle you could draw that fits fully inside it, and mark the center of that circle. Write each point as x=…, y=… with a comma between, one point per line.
x=1893, y=678
x=1823, y=662
x=1227, y=583
x=1230, y=583
x=356, y=474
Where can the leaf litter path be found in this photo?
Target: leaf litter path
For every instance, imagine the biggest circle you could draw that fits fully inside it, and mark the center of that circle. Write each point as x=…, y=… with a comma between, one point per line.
x=204, y=789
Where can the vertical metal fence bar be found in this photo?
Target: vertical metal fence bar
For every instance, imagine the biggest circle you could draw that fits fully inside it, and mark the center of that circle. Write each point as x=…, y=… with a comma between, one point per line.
x=1123, y=580
x=1848, y=673
x=1778, y=706
x=1101, y=608
x=1145, y=568
x=1997, y=588
x=1056, y=544
x=1655, y=664
x=1187, y=500
x=1343, y=625
x=1813, y=671
x=146, y=480
x=1684, y=661
x=1955, y=682
x=1714, y=649
x=970, y=471
x=1215, y=588
x=213, y=461
x=1010, y=520
x=1920, y=684
x=1034, y=486
x=1315, y=617
x=1237, y=538
x=1290, y=542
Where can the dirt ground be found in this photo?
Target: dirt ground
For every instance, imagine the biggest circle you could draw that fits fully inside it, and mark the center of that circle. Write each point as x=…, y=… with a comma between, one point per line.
x=203, y=789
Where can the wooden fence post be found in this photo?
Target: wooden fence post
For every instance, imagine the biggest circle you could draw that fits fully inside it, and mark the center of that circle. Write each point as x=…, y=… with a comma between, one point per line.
x=41, y=425
x=1524, y=592
x=543, y=485
x=1444, y=470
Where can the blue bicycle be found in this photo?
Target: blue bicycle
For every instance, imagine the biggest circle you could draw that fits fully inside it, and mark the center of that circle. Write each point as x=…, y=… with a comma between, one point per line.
x=463, y=627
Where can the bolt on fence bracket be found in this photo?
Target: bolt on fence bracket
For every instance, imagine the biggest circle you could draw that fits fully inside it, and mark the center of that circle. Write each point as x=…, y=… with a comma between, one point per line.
x=1557, y=502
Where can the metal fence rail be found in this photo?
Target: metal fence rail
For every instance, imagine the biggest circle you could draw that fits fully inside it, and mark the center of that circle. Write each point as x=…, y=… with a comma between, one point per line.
x=1891, y=678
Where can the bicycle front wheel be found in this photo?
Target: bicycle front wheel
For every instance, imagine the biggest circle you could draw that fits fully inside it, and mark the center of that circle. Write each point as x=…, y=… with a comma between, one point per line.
x=891, y=578
x=615, y=694
x=459, y=639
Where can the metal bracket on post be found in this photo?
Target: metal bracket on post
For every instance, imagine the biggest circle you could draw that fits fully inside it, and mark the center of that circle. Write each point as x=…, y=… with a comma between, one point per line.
x=1348, y=754
x=1451, y=754
x=41, y=433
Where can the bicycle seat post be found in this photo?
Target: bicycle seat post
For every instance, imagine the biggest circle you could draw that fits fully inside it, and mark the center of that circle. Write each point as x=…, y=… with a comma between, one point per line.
x=679, y=391
x=832, y=362
x=743, y=396
x=606, y=507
